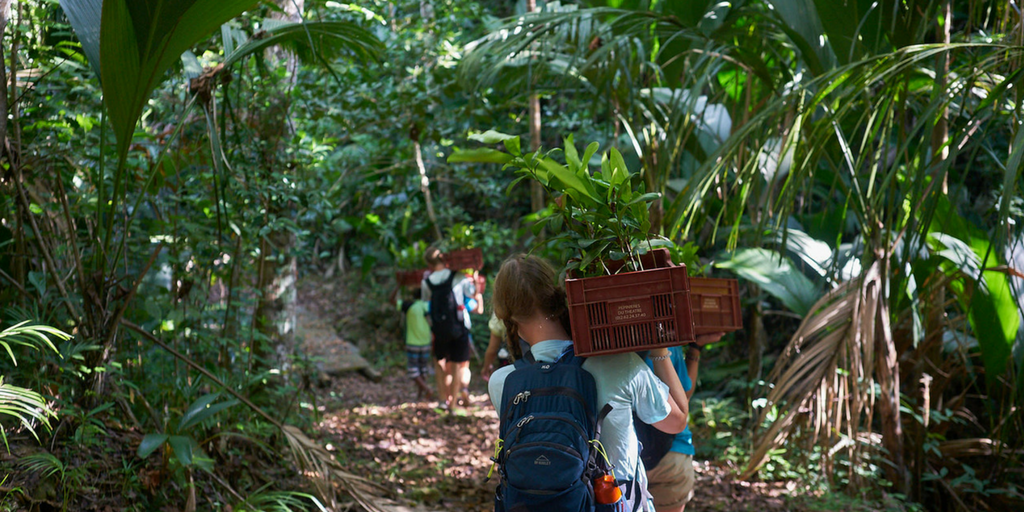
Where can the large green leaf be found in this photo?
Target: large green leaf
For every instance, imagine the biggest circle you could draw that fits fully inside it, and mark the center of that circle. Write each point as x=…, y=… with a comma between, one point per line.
x=139, y=40
x=150, y=443
x=202, y=409
x=775, y=274
x=84, y=16
x=987, y=297
x=183, y=447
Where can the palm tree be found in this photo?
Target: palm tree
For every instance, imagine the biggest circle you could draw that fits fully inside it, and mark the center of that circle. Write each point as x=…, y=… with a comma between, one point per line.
x=861, y=112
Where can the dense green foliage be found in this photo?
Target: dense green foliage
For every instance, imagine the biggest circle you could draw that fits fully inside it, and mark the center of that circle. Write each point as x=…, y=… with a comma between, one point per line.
x=170, y=168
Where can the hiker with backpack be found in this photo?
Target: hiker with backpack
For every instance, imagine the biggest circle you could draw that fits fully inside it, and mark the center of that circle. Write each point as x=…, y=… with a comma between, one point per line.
x=668, y=458
x=446, y=292
x=567, y=422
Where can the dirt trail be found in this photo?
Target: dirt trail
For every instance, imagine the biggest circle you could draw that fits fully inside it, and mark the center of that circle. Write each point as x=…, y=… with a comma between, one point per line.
x=434, y=460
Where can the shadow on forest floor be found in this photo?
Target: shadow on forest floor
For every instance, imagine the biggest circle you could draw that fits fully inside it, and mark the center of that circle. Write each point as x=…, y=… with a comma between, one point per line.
x=439, y=461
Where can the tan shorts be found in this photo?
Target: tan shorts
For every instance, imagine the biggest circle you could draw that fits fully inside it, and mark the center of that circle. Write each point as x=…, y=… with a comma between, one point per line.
x=671, y=481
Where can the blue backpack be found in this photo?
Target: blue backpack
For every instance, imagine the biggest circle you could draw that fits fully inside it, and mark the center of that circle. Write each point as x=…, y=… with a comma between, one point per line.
x=547, y=452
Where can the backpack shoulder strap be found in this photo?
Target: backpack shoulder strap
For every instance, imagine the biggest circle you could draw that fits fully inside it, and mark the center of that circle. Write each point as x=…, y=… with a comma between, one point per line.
x=448, y=281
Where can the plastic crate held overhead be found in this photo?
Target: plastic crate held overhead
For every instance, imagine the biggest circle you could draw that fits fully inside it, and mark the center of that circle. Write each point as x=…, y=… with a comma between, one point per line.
x=465, y=258
x=410, y=277
x=715, y=305
x=631, y=311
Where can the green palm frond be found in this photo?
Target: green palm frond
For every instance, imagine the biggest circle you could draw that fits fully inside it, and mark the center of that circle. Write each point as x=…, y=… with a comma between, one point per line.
x=44, y=463
x=263, y=500
x=25, y=405
x=33, y=336
x=311, y=40
x=863, y=131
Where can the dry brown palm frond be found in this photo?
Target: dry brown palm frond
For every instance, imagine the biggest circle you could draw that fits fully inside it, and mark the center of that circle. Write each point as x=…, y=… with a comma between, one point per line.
x=322, y=468
x=976, y=447
x=826, y=371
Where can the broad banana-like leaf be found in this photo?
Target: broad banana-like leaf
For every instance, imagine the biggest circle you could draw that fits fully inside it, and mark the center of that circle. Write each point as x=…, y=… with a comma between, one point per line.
x=84, y=16
x=138, y=42
x=775, y=274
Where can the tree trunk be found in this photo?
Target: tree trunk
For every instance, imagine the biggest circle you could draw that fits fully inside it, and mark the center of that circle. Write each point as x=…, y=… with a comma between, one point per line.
x=887, y=370
x=425, y=187
x=275, y=311
x=756, y=345
x=536, y=190
x=274, y=316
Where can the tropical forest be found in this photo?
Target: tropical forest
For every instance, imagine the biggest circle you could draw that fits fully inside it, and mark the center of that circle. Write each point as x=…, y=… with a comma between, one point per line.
x=261, y=255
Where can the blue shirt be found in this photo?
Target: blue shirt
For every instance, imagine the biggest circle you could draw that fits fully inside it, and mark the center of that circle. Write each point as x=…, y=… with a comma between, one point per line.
x=684, y=440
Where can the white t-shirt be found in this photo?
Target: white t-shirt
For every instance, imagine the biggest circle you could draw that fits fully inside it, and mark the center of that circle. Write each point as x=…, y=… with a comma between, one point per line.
x=461, y=286
x=624, y=381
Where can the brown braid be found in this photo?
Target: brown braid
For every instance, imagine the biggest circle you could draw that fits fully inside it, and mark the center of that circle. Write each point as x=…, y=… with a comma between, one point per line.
x=524, y=286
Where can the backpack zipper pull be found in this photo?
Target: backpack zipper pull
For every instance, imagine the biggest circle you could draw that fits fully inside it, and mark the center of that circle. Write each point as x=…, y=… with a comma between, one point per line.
x=524, y=421
x=521, y=397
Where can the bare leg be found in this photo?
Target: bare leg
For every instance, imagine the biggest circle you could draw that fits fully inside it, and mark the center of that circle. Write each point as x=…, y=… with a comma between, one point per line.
x=422, y=388
x=460, y=382
x=440, y=374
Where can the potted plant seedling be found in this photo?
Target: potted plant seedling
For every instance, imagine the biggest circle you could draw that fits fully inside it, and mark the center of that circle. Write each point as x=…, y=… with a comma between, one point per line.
x=624, y=292
x=460, y=251
x=409, y=261
x=622, y=296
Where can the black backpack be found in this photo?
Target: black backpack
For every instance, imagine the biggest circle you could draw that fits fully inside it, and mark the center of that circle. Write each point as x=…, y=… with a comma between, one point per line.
x=446, y=314
x=547, y=454
x=654, y=444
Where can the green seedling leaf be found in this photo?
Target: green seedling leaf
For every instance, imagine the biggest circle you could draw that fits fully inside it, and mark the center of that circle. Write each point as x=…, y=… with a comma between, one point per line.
x=150, y=443
x=589, y=153
x=512, y=145
x=480, y=155
x=619, y=172
x=571, y=156
x=645, y=198
x=492, y=137
x=568, y=178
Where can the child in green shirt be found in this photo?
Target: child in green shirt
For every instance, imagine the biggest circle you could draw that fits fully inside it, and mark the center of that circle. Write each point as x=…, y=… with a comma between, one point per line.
x=417, y=343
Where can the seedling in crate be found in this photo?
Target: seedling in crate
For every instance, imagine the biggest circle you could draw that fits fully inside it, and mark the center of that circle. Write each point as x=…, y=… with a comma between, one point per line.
x=597, y=217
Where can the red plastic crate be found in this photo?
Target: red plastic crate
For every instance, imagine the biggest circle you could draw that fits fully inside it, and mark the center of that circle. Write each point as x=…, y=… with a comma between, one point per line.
x=630, y=312
x=465, y=258
x=410, y=277
x=715, y=304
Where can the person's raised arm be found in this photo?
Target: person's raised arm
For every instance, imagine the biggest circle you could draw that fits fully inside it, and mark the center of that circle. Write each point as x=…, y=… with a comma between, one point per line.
x=693, y=352
x=679, y=413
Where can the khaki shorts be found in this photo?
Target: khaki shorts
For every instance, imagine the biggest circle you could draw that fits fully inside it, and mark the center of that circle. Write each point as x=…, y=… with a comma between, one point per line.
x=671, y=481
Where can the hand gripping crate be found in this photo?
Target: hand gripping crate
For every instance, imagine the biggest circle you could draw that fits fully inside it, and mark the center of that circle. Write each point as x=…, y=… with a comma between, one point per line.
x=715, y=304
x=629, y=312
x=465, y=258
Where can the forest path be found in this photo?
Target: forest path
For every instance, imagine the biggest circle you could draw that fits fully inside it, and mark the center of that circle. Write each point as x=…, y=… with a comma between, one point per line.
x=429, y=458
